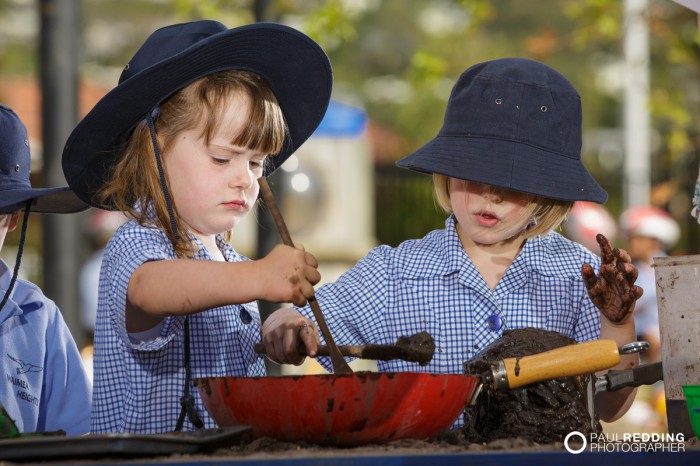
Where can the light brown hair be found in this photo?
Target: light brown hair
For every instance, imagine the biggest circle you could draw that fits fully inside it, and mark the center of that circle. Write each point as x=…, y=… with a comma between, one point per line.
x=547, y=213
x=135, y=183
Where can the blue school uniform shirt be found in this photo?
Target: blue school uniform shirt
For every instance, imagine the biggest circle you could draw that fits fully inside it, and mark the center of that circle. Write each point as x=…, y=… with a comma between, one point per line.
x=44, y=385
x=138, y=385
x=431, y=284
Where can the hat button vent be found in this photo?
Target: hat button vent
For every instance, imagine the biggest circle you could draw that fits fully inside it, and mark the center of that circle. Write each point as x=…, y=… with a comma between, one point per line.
x=17, y=167
x=543, y=108
x=499, y=101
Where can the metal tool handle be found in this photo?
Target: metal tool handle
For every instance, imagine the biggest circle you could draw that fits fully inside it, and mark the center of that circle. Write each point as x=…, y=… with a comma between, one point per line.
x=646, y=374
x=340, y=365
x=634, y=347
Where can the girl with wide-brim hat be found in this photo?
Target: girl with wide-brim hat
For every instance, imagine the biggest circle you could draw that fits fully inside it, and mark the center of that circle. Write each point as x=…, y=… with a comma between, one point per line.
x=200, y=112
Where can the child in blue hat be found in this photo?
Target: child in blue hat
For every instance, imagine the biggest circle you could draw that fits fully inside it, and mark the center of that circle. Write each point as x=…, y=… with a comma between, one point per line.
x=45, y=387
x=200, y=113
x=507, y=168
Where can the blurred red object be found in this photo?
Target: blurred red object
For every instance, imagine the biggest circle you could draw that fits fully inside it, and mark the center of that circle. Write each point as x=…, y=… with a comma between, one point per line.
x=652, y=222
x=586, y=220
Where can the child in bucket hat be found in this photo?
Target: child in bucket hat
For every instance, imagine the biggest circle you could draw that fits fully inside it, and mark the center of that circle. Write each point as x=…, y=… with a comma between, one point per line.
x=46, y=388
x=506, y=166
x=199, y=114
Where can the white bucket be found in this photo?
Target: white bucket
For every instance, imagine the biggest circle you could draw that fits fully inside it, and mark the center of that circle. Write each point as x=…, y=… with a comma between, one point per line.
x=678, y=300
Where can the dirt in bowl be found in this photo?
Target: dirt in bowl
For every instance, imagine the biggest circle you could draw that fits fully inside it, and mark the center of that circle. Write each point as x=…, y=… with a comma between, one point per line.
x=543, y=412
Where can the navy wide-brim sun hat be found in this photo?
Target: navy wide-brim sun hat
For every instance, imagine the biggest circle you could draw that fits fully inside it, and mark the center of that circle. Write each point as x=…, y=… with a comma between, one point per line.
x=294, y=66
x=15, y=186
x=516, y=124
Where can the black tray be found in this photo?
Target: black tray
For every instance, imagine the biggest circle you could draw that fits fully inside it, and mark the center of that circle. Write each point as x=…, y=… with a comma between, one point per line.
x=118, y=445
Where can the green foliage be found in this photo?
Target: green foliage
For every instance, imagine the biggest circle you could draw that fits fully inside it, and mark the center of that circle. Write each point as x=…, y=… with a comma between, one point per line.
x=674, y=45
x=331, y=24
x=479, y=10
x=230, y=12
x=398, y=60
x=599, y=21
x=673, y=118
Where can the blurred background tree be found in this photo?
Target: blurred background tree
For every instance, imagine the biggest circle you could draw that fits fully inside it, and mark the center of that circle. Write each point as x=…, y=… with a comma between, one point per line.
x=398, y=60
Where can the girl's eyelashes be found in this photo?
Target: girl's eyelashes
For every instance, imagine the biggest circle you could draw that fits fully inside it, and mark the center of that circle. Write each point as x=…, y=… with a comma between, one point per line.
x=219, y=161
x=257, y=163
x=254, y=164
x=228, y=156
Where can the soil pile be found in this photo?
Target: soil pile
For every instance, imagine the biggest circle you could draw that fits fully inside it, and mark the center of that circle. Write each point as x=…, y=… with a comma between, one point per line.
x=543, y=412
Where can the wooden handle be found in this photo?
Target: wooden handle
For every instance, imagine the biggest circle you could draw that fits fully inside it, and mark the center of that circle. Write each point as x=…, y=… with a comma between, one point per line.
x=271, y=204
x=369, y=351
x=352, y=351
x=576, y=359
x=340, y=365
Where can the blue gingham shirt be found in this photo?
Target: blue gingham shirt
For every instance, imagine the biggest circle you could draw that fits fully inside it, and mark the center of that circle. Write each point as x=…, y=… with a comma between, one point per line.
x=431, y=285
x=137, y=386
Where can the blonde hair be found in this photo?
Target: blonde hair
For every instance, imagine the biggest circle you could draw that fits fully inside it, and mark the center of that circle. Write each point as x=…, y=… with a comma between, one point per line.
x=546, y=213
x=134, y=182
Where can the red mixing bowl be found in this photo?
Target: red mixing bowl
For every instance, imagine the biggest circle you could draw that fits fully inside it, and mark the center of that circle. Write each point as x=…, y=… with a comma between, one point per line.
x=345, y=409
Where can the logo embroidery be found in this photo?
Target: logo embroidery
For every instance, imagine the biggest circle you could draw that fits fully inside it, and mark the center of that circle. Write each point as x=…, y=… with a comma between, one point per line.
x=25, y=367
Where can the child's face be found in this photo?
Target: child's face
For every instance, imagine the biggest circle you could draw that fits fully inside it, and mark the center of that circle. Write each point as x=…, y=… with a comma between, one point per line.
x=486, y=214
x=214, y=186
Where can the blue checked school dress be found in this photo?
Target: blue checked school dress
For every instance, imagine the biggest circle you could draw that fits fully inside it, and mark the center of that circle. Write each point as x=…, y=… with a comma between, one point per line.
x=430, y=284
x=138, y=384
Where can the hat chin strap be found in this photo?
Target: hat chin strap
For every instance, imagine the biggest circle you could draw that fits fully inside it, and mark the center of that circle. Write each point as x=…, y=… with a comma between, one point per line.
x=20, y=250
x=161, y=174
x=187, y=402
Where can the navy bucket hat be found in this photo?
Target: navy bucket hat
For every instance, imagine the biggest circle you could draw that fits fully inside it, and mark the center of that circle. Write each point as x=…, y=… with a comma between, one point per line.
x=15, y=187
x=513, y=123
x=293, y=65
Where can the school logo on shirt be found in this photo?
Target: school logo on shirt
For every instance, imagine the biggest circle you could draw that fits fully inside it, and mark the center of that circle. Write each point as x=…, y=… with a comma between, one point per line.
x=24, y=367
x=22, y=386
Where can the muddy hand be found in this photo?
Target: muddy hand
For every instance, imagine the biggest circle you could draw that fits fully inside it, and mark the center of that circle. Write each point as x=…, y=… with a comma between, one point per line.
x=288, y=275
x=612, y=291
